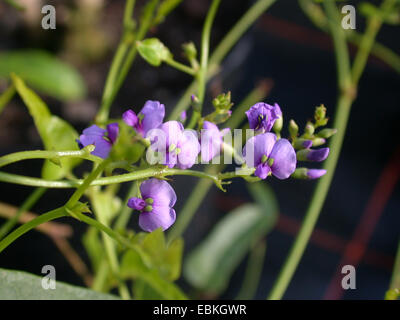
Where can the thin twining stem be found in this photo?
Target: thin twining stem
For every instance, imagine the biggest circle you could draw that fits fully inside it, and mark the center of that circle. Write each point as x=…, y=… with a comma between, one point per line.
x=126, y=177
x=43, y=154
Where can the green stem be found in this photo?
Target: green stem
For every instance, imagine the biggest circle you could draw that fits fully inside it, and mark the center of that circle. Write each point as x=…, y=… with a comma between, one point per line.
x=42, y=154
x=112, y=234
x=101, y=276
x=51, y=215
x=180, y=66
x=125, y=64
x=85, y=184
x=394, y=288
x=202, y=72
x=109, y=87
x=127, y=40
x=374, y=23
x=314, y=209
x=317, y=16
x=222, y=50
x=26, y=205
x=132, y=176
x=205, y=48
x=345, y=100
x=109, y=246
x=128, y=23
x=253, y=272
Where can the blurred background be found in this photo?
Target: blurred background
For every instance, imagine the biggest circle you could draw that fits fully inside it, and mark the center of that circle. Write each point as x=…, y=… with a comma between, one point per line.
x=360, y=220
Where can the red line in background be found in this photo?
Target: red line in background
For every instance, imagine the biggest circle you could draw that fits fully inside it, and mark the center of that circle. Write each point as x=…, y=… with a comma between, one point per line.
x=356, y=248
x=306, y=36
x=320, y=238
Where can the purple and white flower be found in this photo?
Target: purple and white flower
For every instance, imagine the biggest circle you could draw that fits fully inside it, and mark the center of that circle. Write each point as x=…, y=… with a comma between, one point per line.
x=102, y=139
x=155, y=205
x=211, y=140
x=270, y=156
x=150, y=117
x=262, y=116
x=177, y=146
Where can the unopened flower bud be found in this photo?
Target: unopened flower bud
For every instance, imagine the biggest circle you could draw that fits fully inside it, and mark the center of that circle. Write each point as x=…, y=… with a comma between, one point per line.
x=302, y=144
x=278, y=125
x=317, y=155
x=309, y=129
x=308, y=174
x=293, y=129
x=326, y=133
x=320, y=113
x=316, y=142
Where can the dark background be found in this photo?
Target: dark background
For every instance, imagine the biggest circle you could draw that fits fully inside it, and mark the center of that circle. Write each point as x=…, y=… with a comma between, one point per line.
x=283, y=46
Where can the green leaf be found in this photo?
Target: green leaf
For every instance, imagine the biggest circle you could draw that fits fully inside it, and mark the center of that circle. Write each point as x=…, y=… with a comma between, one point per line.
x=132, y=267
x=210, y=265
x=18, y=285
x=44, y=72
x=173, y=259
x=106, y=205
x=142, y=291
x=166, y=259
x=56, y=133
x=153, y=51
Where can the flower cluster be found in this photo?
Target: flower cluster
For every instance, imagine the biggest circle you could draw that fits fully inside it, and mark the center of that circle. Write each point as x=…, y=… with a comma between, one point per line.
x=266, y=152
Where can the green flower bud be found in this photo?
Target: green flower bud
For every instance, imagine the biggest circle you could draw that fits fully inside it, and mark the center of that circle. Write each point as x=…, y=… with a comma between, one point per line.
x=318, y=142
x=301, y=143
x=190, y=51
x=320, y=113
x=278, y=125
x=293, y=129
x=309, y=129
x=326, y=133
x=223, y=101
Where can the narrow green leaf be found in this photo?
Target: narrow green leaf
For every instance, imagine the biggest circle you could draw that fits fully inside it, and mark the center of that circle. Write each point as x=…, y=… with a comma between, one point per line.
x=133, y=267
x=56, y=133
x=18, y=285
x=44, y=72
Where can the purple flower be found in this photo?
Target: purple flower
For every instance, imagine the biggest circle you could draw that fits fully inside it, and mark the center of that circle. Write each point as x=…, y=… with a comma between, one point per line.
x=151, y=116
x=262, y=116
x=179, y=147
x=269, y=156
x=102, y=139
x=315, y=173
x=211, y=140
x=316, y=155
x=155, y=206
